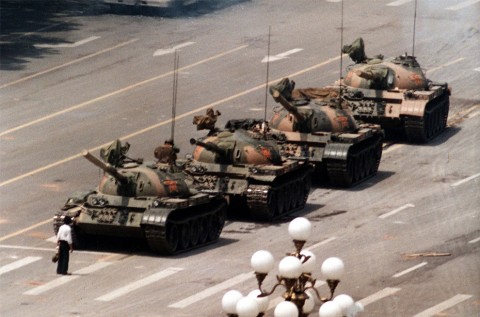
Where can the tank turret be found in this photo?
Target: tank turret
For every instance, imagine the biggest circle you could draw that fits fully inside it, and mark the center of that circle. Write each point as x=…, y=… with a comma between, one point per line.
x=144, y=201
x=247, y=167
x=317, y=125
x=396, y=94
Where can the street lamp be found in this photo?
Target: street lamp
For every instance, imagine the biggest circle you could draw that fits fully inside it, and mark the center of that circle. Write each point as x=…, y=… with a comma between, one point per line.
x=295, y=276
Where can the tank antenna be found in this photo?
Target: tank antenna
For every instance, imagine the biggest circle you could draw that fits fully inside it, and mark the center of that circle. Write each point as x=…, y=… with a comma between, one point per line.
x=341, y=55
x=414, y=25
x=268, y=69
x=174, y=98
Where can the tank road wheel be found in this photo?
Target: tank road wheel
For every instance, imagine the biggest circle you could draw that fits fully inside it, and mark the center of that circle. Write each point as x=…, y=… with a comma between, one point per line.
x=194, y=232
x=172, y=238
x=204, y=228
x=185, y=234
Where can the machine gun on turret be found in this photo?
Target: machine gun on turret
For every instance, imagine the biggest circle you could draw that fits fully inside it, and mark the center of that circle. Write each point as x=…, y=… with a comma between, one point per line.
x=107, y=168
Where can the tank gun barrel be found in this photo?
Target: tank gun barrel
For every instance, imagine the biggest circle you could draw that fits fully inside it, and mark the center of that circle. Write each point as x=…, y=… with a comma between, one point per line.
x=106, y=167
x=209, y=146
x=279, y=98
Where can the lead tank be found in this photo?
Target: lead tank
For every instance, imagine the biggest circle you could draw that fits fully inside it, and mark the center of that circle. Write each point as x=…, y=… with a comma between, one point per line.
x=395, y=94
x=143, y=201
x=317, y=125
x=246, y=166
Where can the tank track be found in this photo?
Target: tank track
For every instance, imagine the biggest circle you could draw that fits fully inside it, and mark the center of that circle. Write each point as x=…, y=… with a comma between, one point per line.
x=286, y=195
x=434, y=121
x=362, y=162
x=187, y=229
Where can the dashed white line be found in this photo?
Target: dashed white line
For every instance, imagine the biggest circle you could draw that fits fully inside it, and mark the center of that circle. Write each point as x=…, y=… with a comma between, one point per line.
x=477, y=69
x=398, y=3
x=444, y=65
x=19, y=247
x=320, y=243
x=212, y=290
x=171, y=50
x=466, y=180
x=138, y=284
x=273, y=58
x=443, y=305
x=462, y=5
x=413, y=268
x=68, y=45
x=474, y=240
x=19, y=263
x=66, y=278
x=391, y=213
x=379, y=295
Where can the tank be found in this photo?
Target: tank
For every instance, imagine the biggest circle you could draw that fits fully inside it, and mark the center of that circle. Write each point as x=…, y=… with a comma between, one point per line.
x=317, y=125
x=395, y=94
x=246, y=166
x=152, y=202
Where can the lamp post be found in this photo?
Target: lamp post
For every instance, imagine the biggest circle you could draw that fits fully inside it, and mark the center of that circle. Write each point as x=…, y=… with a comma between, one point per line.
x=295, y=276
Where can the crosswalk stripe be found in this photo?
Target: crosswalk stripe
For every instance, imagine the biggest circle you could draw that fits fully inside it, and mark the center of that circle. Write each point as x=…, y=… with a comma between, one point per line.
x=212, y=290
x=67, y=278
x=138, y=284
x=19, y=263
x=432, y=311
x=388, y=291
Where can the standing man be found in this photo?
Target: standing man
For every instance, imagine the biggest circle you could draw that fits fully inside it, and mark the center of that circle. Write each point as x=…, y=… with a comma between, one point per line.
x=64, y=243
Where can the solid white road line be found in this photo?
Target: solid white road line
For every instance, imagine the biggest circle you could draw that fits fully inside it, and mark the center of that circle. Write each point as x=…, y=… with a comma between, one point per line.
x=443, y=306
x=138, y=284
x=413, y=268
x=465, y=180
x=273, y=58
x=391, y=213
x=66, y=278
x=213, y=290
x=463, y=5
x=379, y=295
x=398, y=3
x=19, y=263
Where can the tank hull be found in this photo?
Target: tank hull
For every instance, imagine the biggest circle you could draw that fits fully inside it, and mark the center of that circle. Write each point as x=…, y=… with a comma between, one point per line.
x=420, y=115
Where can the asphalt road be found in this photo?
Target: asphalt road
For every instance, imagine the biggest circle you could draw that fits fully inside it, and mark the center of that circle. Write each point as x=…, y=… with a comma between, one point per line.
x=74, y=76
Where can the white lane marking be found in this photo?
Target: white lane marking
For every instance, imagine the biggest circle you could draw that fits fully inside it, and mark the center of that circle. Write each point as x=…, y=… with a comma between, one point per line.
x=172, y=49
x=443, y=305
x=334, y=1
x=5, y=246
x=281, y=55
x=463, y=5
x=477, y=69
x=465, y=180
x=68, y=45
x=444, y=65
x=413, y=268
x=18, y=264
x=52, y=239
x=398, y=3
x=67, y=64
x=213, y=290
x=274, y=302
x=320, y=243
x=388, y=291
x=391, y=213
x=474, y=240
x=138, y=284
x=67, y=278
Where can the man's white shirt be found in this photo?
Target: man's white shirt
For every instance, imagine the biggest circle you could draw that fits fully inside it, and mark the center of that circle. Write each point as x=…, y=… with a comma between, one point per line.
x=65, y=233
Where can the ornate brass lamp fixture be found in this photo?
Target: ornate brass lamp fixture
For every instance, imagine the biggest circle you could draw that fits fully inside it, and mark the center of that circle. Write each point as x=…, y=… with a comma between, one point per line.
x=295, y=276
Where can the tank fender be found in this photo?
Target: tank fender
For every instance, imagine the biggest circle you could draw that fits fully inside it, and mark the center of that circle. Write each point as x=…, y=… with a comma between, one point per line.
x=155, y=216
x=336, y=151
x=412, y=107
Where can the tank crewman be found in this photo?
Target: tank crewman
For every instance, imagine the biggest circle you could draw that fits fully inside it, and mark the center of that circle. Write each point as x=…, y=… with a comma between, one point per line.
x=207, y=122
x=64, y=243
x=166, y=153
